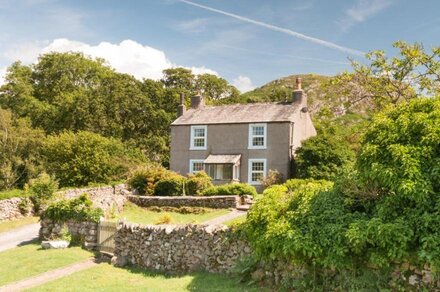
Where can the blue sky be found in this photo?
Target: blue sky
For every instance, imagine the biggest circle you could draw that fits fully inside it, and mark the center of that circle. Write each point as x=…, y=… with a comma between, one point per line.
x=247, y=42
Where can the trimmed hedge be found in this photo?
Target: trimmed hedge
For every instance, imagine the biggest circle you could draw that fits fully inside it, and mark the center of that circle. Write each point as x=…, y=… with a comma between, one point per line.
x=172, y=186
x=231, y=190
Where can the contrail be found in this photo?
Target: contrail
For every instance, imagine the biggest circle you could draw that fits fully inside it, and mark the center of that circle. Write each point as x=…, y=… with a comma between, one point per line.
x=280, y=29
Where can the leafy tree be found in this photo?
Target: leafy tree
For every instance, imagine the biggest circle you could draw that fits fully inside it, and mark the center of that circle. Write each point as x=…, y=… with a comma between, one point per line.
x=215, y=88
x=19, y=151
x=414, y=72
x=322, y=157
x=78, y=159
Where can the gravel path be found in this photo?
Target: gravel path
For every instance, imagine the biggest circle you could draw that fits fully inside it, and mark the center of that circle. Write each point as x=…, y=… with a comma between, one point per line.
x=19, y=236
x=48, y=276
x=221, y=219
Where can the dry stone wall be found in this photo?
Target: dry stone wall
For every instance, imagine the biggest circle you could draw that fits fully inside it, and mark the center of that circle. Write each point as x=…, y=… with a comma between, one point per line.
x=106, y=198
x=86, y=231
x=10, y=209
x=174, y=248
x=218, y=202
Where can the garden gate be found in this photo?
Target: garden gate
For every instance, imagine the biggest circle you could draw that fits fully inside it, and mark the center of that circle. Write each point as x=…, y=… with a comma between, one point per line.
x=106, y=234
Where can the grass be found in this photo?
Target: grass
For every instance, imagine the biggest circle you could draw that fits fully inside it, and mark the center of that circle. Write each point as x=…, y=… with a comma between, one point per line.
x=15, y=193
x=237, y=220
x=136, y=214
x=30, y=260
x=108, y=278
x=13, y=224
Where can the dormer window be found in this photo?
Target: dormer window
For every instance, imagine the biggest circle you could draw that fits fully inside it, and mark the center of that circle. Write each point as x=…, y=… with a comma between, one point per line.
x=257, y=136
x=199, y=138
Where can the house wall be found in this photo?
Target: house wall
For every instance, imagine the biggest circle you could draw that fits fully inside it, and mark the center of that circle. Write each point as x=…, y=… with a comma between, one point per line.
x=233, y=139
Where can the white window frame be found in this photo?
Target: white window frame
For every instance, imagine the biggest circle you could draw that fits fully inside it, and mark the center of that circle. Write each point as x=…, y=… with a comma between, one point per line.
x=191, y=165
x=251, y=136
x=192, y=146
x=250, y=162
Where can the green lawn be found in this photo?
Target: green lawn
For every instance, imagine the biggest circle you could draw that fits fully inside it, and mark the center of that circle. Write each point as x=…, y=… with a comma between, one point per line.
x=136, y=214
x=108, y=278
x=30, y=260
x=12, y=194
x=13, y=224
x=234, y=221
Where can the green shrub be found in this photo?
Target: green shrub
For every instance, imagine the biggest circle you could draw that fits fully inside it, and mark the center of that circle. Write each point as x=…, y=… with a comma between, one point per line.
x=79, y=209
x=230, y=190
x=198, y=182
x=170, y=186
x=144, y=179
x=322, y=157
x=78, y=159
x=274, y=177
x=42, y=190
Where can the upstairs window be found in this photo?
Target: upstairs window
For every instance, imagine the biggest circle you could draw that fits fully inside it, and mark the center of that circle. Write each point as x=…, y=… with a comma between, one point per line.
x=198, y=137
x=257, y=171
x=257, y=136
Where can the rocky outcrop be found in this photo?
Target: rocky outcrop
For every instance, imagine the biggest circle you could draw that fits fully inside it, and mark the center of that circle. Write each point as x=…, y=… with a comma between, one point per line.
x=215, y=202
x=184, y=248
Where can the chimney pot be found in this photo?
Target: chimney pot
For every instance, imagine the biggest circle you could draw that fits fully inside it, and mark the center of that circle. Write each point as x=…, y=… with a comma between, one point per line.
x=197, y=101
x=181, y=109
x=298, y=83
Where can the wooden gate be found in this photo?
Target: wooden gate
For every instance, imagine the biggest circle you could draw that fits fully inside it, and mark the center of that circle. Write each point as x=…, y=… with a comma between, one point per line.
x=106, y=234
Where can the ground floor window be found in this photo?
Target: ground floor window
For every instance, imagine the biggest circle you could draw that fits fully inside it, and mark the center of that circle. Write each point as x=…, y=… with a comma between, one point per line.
x=257, y=171
x=195, y=166
x=219, y=171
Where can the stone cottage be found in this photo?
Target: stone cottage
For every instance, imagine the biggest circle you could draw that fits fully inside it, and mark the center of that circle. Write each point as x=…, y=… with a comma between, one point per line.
x=239, y=142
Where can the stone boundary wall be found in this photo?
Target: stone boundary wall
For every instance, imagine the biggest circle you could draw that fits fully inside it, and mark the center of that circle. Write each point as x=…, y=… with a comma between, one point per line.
x=10, y=209
x=216, y=202
x=87, y=231
x=106, y=197
x=180, y=248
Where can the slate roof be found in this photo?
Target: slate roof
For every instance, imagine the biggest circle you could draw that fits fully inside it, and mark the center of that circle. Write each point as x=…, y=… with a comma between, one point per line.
x=239, y=113
x=222, y=159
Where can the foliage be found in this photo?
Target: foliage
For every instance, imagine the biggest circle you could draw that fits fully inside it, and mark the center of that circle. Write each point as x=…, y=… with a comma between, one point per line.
x=303, y=220
x=19, y=151
x=14, y=193
x=322, y=157
x=274, y=177
x=231, y=190
x=412, y=73
x=143, y=179
x=78, y=159
x=42, y=190
x=79, y=209
x=197, y=183
x=172, y=185
x=65, y=234
x=164, y=219
x=400, y=161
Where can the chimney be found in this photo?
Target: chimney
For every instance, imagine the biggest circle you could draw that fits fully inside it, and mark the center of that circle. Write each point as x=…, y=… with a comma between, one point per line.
x=299, y=97
x=197, y=101
x=181, y=109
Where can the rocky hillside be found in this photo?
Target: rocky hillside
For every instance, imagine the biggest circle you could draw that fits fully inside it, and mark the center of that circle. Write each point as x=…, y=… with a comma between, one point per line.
x=323, y=94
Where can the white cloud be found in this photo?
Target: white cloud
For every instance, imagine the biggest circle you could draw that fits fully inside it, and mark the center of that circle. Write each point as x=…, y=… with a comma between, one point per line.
x=193, y=26
x=362, y=10
x=243, y=83
x=2, y=75
x=126, y=57
x=367, y=8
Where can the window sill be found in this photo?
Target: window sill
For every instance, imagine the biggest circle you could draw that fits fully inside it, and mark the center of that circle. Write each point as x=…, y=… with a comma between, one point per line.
x=257, y=148
x=193, y=148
